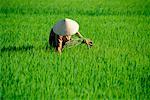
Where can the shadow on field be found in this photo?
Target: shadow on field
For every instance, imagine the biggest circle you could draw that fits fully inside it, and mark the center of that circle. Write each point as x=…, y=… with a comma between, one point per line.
x=25, y=48
x=17, y=48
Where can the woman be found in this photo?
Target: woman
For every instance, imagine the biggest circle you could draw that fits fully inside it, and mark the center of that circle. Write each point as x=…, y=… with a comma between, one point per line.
x=61, y=34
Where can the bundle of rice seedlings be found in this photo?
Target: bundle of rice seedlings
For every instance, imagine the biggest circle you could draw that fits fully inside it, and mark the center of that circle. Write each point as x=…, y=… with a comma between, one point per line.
x=73, y=43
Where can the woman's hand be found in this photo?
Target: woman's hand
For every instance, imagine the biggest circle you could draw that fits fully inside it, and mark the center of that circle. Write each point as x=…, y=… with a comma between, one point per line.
x=88, y=42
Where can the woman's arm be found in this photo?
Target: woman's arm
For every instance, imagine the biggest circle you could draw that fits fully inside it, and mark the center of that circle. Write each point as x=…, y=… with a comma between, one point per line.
x=59, y=43
x=79, y=35
x=86, y=41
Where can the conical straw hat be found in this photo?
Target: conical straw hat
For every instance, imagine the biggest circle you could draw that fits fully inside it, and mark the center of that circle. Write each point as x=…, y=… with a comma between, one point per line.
x=66, y=27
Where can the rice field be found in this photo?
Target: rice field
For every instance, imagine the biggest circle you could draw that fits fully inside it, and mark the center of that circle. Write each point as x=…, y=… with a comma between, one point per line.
x=116, y=67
